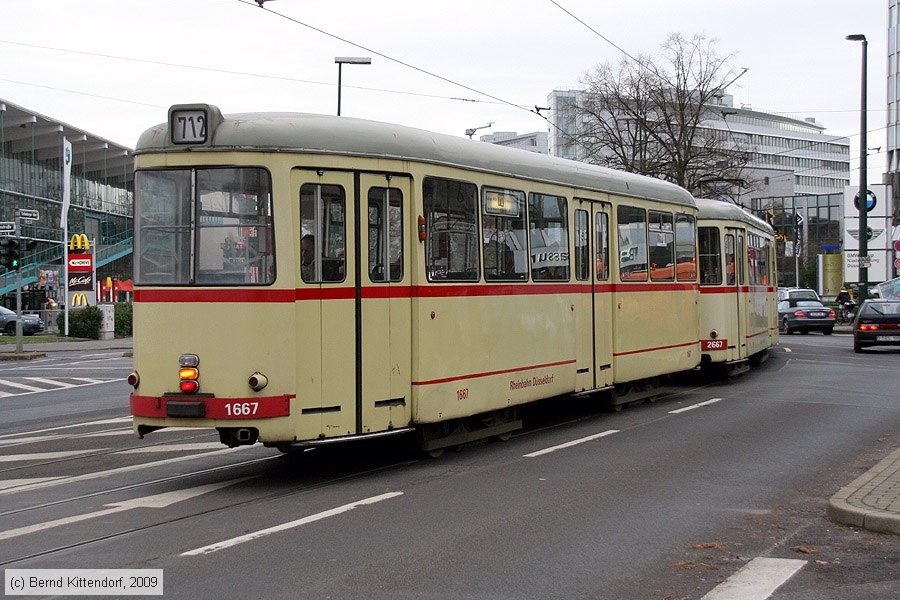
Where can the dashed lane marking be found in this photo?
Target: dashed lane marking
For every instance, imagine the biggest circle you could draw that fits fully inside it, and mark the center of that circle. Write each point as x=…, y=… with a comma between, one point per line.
x=572, y=443
x=292, y=524
x=693, y=406
x=47, y=455
x=757, y=580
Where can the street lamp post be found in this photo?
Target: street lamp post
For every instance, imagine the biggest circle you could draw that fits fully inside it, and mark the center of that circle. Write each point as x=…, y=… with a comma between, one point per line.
x=348, y=60
x=863, y=196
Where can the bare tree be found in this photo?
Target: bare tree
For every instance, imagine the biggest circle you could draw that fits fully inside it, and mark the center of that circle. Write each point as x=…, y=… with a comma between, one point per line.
x=653, y=116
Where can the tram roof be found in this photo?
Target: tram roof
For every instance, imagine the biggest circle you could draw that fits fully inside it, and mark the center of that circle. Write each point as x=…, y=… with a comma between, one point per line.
x=303, y=132
x=719, y=209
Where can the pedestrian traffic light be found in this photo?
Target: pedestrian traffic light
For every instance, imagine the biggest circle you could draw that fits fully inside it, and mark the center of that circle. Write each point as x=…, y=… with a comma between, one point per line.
x=9, y=254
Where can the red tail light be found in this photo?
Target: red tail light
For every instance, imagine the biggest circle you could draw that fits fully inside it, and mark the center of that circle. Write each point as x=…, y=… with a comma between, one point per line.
x=872, y=327
x=832, y=315
x=800, y=313
x=189, y=386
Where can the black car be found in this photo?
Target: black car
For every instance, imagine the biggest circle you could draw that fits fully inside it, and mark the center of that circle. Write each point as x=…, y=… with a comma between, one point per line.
x=31, y=324
x=805, y=316
x=877, y=324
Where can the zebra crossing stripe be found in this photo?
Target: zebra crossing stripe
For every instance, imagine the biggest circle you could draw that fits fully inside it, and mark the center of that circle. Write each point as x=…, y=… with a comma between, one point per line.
x=21, y=386
x=61, y=384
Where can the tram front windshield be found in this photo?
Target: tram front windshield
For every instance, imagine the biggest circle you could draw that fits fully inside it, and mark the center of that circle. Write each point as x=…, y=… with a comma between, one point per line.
x=204, y=226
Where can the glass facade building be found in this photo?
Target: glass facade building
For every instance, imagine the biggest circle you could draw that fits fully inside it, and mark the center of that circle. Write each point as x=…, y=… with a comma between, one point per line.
x=31, y=177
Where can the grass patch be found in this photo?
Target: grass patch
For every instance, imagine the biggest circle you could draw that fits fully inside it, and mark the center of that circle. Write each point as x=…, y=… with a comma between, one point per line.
x=35, y=339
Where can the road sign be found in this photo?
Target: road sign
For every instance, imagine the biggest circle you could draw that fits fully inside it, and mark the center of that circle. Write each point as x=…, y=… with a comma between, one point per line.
x=27, y=213
x=897, y=246
x=8, y=227
x=798, y=219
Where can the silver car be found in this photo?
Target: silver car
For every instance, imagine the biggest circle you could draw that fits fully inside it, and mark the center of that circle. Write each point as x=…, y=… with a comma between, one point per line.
x=31, y=324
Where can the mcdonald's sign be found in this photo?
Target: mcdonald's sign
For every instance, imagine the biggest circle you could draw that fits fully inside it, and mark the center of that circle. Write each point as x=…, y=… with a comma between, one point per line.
x=79, y=241
x=79, y=300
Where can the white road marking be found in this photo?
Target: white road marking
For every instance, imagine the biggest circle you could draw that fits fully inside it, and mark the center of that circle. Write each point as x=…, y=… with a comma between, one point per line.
x=22, y=386
x=572, y=443
x=158, y=501
x=128, y=469
x=47, y=455
x=58, y=384
x=28, y=440
x=693, y=406
x=14, y=483
x=757, y=580
x=87, y=424
x=175, y=448
x=285, y=526
x=788, y=350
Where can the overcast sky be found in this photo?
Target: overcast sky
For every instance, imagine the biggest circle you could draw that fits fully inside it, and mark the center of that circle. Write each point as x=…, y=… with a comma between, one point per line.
x=112, y=67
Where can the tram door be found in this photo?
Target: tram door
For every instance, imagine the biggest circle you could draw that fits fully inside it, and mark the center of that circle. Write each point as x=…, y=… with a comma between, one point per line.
x=737, y=242
x=602, y=296
x=325, y=306
x=384, y=279
x=353, y=308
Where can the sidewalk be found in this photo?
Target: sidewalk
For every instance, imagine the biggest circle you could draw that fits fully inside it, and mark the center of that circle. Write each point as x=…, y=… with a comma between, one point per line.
x=37, y=350
x=872, y=501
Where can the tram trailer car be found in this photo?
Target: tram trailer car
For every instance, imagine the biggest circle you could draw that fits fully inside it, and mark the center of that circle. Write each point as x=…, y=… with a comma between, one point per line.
x=738, y=314
x=305, y=279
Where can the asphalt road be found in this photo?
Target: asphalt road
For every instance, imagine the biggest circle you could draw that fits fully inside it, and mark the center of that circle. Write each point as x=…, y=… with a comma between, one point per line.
x=653, y=502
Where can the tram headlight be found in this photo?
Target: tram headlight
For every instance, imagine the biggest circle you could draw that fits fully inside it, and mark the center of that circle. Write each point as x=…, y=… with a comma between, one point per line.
x=134, y=379
x=713, y=334
x=258, y=381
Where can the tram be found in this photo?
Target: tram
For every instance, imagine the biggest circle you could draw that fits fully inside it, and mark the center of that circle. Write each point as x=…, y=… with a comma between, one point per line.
x=739, y=318
x=304, y=279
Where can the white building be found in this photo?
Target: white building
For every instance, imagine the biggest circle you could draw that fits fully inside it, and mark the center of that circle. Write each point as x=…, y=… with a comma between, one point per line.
x=533, y=142
x=787, y=156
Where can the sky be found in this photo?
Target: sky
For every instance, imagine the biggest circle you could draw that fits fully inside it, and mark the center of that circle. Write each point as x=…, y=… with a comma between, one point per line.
x=113, y=67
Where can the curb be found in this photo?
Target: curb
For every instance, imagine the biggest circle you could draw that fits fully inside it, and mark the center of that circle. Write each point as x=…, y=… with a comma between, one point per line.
x=11, y=356
x=848, y=506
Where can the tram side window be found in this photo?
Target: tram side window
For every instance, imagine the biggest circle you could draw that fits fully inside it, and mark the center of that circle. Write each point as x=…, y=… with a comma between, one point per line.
x=385, y=234
x=662, y=246
x=710, y=256
x=582, y=249
x=234, y=227
x=759, y=259
x=549, y=232
x=632, y=243
x=685, y=248
x=162, y=217
x=503, y=235
x=602, y=231
x=451, y=245
x=322, y=233
x=730, y=265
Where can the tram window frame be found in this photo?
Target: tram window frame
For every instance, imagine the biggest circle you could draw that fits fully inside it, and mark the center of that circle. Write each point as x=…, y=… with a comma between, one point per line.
x=323, y=210
x=223, y=223
x=601, y=232
x=629, y=216
x=686, y=251
x=504, y=242
x=451, y=223
x=661, y=229
x=548, y=223
x=582, y=246
x=730, y=254
x=387, y=234
x=709, y=240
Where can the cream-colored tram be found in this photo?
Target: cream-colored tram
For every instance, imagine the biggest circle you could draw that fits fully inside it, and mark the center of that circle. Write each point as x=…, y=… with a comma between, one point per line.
x=305, y=279
x=739, y=319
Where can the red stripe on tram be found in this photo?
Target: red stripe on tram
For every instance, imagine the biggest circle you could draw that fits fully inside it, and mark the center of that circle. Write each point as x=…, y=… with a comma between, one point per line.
x=490, y=373
x=655, y=349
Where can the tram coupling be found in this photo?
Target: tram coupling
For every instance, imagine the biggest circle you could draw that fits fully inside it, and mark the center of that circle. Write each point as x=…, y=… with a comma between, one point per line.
x=238, y=436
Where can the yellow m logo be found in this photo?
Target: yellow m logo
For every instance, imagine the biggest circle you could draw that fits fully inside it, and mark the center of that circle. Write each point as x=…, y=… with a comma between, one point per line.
x=79, y=241
x=79, y=300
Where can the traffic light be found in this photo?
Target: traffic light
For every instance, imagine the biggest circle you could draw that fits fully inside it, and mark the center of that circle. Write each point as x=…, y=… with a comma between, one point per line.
x=9, y=254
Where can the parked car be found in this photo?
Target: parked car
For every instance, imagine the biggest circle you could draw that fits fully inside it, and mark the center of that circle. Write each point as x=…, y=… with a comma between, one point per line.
x=797, y=294
x=877, y=323
x=804, y=316
x=31, y=324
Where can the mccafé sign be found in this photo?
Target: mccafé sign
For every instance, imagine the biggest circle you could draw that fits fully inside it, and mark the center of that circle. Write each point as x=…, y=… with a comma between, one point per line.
x=81, y=265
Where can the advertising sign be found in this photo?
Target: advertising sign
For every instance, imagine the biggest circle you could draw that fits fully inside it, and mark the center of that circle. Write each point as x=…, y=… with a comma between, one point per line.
x=81, y=263
x=81, y=282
